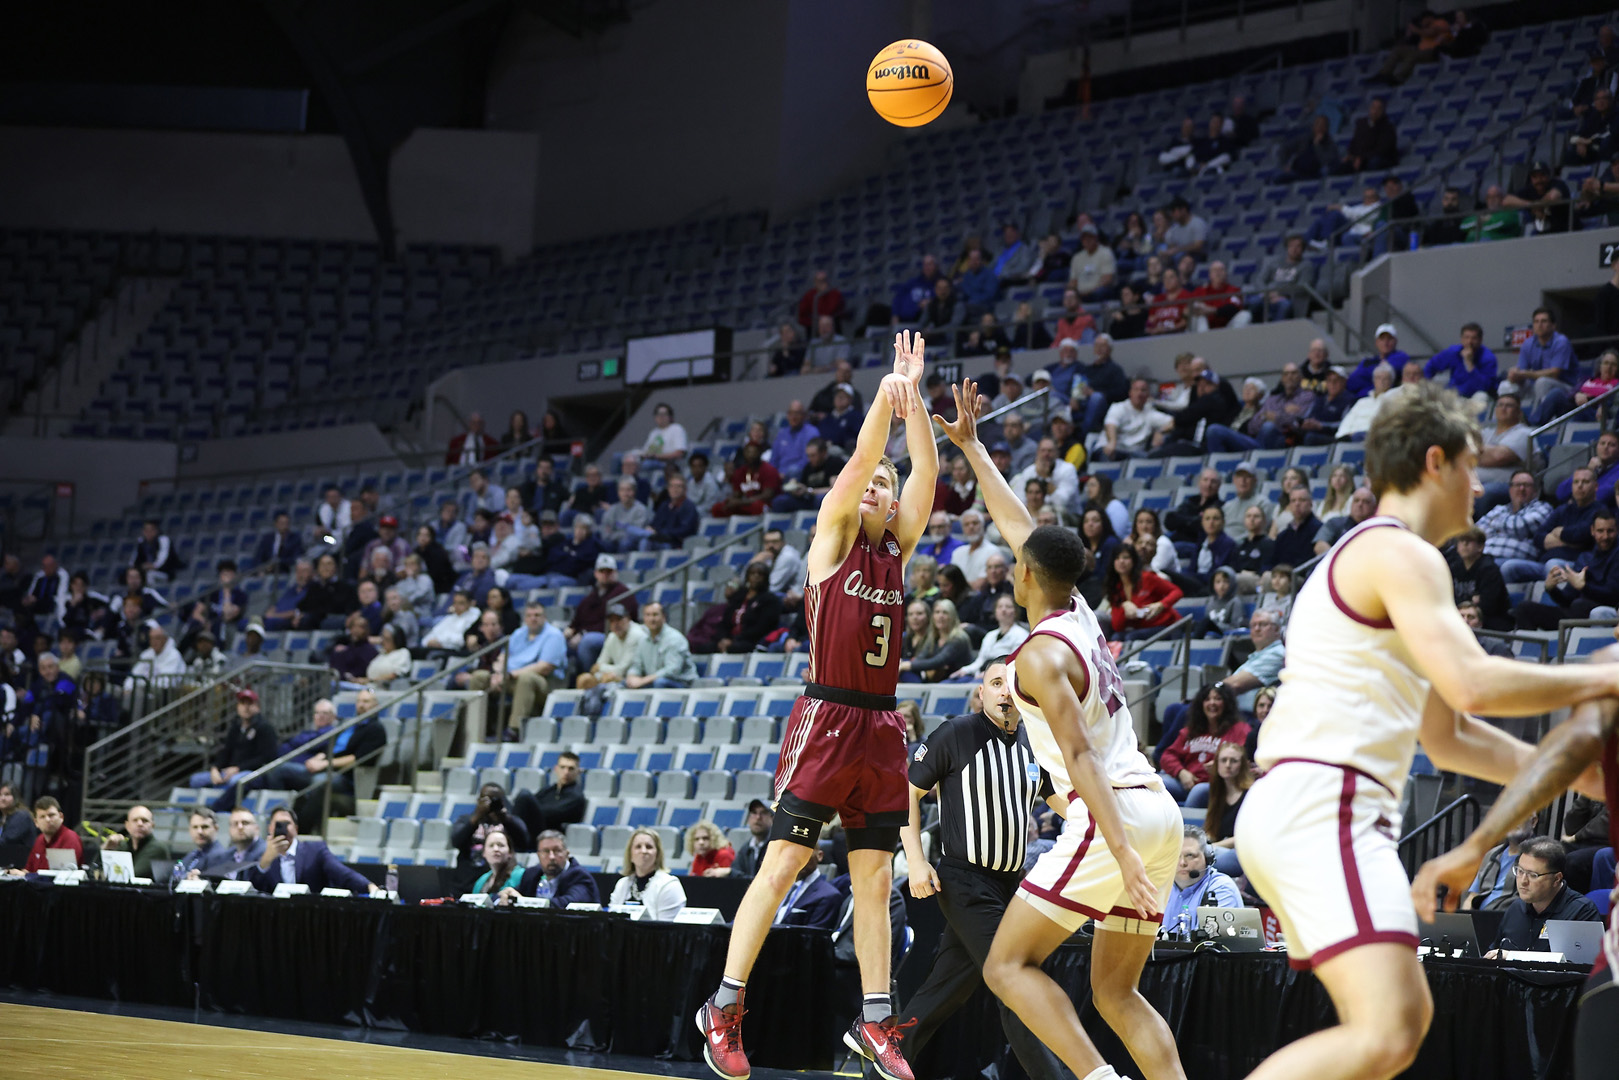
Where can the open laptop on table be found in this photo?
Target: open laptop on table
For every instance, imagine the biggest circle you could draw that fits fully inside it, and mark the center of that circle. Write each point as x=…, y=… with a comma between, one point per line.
x=61, y=858
x=1579, y=941
x=1453, y=931
x=1237, y=929
x=118, y=867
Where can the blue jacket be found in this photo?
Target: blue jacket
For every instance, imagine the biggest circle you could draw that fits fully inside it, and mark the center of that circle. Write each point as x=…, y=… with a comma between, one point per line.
x=315, y=866
x=1329, y=412
x=575, y=885
x=1224, y=549
x=1576, y=525
x=292, y=546
x=675, y=523
x=1213, y=889
x=1360, y=380
x=909, y=296
x=817, y=905
x=1605, y=486
x=940, y=553
x=1601, y=579
x=978, y=287
x=1483, y=377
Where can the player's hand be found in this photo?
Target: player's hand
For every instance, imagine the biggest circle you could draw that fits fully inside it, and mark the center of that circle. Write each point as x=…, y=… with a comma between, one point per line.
x=1143, y=894
x=910, y=356
x=924, y=881
x=1454, y=870
x=898, y=390
x=963, y=430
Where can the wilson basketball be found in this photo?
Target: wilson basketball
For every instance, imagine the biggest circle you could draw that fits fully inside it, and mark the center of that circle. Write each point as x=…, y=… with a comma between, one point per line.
x=909, y=83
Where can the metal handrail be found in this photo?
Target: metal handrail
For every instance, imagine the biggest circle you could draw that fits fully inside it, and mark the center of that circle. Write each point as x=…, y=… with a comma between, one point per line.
x=1441, y=832
x=1559, y=421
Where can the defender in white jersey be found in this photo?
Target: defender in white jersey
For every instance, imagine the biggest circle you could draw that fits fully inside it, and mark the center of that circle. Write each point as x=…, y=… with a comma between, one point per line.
x=1378, y=657
x=1121, y=842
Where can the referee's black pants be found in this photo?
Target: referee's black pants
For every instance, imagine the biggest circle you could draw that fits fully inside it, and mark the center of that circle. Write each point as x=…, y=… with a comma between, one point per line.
x=973, y=900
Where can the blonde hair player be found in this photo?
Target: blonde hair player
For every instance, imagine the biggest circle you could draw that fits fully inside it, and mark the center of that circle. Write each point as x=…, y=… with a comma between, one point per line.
x=843, y=752
x=1377, y=658
x=1121, y=842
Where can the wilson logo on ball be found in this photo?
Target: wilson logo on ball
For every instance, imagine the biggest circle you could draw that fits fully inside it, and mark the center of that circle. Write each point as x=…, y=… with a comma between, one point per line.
x=903, y=71
x=909, y=83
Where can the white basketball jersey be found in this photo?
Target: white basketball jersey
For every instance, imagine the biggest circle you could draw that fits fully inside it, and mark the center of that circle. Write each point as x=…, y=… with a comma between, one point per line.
x=1350, y=693
x=1103, y=711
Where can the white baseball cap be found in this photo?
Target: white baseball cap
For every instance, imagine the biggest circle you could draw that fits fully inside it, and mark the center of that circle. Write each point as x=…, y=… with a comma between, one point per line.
x=1386, y=328
x=606, y=562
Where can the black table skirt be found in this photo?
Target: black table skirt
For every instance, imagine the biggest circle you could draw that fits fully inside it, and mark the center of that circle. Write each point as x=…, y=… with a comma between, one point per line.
x=605, y=983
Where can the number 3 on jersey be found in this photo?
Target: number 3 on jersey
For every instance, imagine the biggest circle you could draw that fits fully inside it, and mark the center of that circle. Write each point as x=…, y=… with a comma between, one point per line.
x=878, y=656
x=1109, y=683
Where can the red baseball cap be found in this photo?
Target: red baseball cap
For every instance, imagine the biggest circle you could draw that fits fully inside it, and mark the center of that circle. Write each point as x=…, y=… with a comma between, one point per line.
x=247, y=694
x=389, y=520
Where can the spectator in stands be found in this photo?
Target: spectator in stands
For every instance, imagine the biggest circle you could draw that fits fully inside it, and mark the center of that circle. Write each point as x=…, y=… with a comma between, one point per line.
x=788, y=452
x=1567, y=531
x=136, y=838
x=504, y=874
x=570, y=561
x=1477, y=580
x=559, y=804
x=754, y=483
x=1362, y=504
x=1546, y=198
x=154, y=554
x=332, y=515
x=1062, y=479
x=160, y=662
x=472, y=445
x=587, y=633
x=1214, y=150
x=387, y=539
x=451, y=532
x=937, y=544
x=1513, y=529
x=626, y=523
x=1595, y=137
x=997, y=583
x=249, y=744
x=911, y=296
x=784, y=561
x=712, y=854
x=1543, y=895
x=1185, y=522
x=1599, y=76
x=589, y=496
x=85, y=612
x=1295, y=543
x=1263, y=668
x=1425, y=37
x=67, y=649
x=530, y=667
x=1133, y=427
x=482, y=495
x=281, y=546
x=673, y=522
x=819, y=299
x=975, y=551
x=619, y=650
x=753, y=612
x=1446, y=226
x=1002, y=640
x=1312, y=156
x=1374, y=146
x=207, y=662
x=945, y=309
x=480, y=575
x=758, y=821
x=1495, y=220
x=645, y=881
x=1100, y=386
x=1215, y=549
x=1012, y=262
x=1505, y=450
x=662, y=660
x=822, y=404
x=1589, y=589
x=1604, y=463
x=1129, y=319
x=1284, y=277
x=350, y=657
x=1141, y=602
x=1219, y=303
x=1386, y=350
x=1474, y=618
x=518, y=432
x=49, y=821
x=1246, y=494
x=135, y=584
x=1177, y=156
x=289, y=860
x=1603, y=380
x=1188, y=233
x=1194, y=734
x=1544, y=373
x=450, y=631
x=1073, y=322
x=977, y=285
x=952, y=650
x=1321, y=427
x=1171, y=308
x=787, y=355
x=393, y=656
x=665, y=442
x=1470, y=365
x=46, y=595
x=1280, y=415
x=490, y=814
x=545, y=492
x=327, y=599
x=1093, y=271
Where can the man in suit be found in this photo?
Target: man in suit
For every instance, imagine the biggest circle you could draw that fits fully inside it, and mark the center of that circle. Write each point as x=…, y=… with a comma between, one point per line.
x=472, y=445
x=812, y=901
x=281, y=546
x=303, y=862
x=746, y=863
x=557, y=876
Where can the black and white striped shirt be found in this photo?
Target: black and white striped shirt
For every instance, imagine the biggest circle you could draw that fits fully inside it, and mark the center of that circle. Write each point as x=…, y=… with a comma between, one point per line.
x=988, y=785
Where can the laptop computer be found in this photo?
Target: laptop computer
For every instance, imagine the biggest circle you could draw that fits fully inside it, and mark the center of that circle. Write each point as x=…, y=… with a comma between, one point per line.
x=1579, y=941
x=1238, y=929
x=1452, y=932
x=118, y=867
x=61, y=858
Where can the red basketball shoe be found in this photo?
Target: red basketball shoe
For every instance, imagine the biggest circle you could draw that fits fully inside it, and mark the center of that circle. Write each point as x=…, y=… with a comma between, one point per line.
x=879, y=1044
x=722, y=1039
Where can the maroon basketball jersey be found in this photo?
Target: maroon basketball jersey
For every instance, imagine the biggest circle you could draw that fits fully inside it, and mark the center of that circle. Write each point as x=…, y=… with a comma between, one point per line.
x=856, y=617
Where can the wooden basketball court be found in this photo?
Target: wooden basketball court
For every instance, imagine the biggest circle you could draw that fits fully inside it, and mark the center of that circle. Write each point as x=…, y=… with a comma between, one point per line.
x=60, y=1044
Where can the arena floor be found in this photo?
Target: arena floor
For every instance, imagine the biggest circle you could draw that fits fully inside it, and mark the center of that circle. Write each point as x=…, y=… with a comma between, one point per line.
x=64, y=1043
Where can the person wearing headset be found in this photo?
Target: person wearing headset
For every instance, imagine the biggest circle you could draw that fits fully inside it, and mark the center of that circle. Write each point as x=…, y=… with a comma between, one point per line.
x=1197, y=884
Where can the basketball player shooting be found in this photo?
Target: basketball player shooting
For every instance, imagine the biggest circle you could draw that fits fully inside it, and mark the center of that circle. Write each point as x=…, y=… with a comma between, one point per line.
x=1120, y=844
x=1378, y=657
x=844, y=749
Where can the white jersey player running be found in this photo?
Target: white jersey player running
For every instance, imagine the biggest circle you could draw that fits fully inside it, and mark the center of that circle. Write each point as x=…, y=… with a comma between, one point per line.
x=1378, y=656
x=1119, y=847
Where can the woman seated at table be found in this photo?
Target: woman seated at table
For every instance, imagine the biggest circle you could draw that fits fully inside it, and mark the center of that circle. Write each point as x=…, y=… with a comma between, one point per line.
x=503, y=872
x=645, y=881
x=711, y=851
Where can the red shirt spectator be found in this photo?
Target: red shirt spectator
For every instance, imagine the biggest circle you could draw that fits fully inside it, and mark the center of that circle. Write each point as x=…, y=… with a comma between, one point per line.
x=53, y=833
x=753, y=484
x=711, y=858
x=1192, y=751
x=1072, y=326
x=820, y=299
x=1167, y=316
x=1129, y=584
x=472, y=445
x=1220, y=300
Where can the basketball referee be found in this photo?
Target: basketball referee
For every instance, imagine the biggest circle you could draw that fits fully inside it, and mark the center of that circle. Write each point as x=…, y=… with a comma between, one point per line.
x=988, y=784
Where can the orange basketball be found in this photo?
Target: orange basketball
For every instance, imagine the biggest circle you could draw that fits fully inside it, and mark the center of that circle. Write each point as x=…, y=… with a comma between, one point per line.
x=909, y=83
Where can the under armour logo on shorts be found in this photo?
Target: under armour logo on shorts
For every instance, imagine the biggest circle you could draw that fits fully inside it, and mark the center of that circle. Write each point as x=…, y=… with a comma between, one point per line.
x=800, y=830
x=834, y=733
